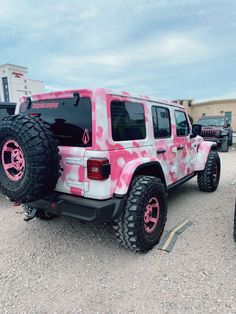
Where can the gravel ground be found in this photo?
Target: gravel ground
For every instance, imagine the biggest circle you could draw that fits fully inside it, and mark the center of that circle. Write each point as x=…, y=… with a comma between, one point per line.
x=63, y=266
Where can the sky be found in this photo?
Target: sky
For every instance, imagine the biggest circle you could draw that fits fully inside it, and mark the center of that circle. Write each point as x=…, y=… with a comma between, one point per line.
x=172, y=49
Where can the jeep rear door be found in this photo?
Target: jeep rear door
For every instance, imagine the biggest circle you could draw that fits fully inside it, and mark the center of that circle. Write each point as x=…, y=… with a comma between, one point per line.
x=70, y=118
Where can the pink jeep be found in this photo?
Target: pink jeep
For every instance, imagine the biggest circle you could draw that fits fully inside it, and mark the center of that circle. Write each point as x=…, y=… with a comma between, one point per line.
x=103, y=155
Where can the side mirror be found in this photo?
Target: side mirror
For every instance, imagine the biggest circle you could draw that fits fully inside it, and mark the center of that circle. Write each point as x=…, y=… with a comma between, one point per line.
x=196, y=130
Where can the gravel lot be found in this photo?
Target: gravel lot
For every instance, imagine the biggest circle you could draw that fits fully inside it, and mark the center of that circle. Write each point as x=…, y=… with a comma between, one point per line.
x=63, y=266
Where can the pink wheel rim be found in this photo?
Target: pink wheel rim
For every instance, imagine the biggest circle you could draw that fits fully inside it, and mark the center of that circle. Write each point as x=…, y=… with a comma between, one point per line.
x=151, y=215
x=13, y=160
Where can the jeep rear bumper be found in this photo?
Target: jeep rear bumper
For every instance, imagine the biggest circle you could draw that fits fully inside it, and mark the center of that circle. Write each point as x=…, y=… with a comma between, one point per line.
x=81, y=208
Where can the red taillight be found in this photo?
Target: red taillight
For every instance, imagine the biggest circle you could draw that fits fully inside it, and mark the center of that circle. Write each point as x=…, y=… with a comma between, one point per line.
x=98, y=169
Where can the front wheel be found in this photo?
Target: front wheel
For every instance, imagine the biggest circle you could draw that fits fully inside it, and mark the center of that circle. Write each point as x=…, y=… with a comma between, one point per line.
x=142, y=222
x=208, y=179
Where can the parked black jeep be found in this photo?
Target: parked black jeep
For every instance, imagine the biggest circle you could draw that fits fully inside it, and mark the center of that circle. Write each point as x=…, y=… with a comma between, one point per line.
x=6, y=109
x=217, y=129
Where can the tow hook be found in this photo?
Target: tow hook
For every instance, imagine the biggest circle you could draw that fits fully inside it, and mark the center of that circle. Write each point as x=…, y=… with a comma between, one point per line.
x=30, y=213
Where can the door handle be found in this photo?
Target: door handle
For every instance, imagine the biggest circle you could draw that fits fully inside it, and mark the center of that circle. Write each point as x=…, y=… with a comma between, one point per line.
x=180, y=147
x=161, y=151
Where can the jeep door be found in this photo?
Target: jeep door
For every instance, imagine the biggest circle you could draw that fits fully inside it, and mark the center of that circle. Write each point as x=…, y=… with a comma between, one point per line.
x=163, y=141
x=183, y=148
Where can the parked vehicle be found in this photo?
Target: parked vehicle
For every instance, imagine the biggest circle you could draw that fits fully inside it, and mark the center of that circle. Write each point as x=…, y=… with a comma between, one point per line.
x=103, y=155
x=7, y=109
x=217, y=129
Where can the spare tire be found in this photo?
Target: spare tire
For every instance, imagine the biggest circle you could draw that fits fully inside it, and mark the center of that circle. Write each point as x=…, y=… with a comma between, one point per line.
x=29, y=158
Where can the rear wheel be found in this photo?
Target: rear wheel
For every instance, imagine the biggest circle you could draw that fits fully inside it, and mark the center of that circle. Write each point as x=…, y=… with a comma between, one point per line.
x=208, y=179
x=29, y=158
x=142, y=222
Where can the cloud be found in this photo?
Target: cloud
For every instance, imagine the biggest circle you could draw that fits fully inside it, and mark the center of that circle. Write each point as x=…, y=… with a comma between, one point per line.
x=172, y=49
x=181, y=48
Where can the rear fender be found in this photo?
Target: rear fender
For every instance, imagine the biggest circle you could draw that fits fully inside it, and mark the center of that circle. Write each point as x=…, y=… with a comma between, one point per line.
x=204, y=149
x=136, y=167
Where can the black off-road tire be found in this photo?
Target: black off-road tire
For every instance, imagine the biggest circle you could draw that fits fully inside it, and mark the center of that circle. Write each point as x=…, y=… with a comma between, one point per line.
x=41, y=155
x=207, y=179
x=129, y=227
x=230, y=141
x=224, y=147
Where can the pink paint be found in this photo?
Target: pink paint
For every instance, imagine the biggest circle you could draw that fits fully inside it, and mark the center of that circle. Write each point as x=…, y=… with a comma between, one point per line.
x=76, y=191
x=151, y=215
x=46, y=105
x=13, y=160
x=86, y=137
x=99, y=132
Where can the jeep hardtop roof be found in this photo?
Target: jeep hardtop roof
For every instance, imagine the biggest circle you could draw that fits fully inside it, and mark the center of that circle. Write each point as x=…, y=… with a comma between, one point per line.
x=212, y=117
x=69, y=93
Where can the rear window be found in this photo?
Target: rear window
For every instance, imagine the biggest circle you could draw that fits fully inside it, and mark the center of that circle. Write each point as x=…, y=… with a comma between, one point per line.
x=128, y=121
x=70, y=118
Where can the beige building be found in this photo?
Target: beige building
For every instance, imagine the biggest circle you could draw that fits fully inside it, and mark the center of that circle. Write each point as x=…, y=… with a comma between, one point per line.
x=14, y=83
x=224, y=107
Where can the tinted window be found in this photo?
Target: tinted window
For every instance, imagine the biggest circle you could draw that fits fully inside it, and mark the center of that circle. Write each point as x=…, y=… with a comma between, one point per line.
x=182, y=126
x=212, y=121
x=128, y=121
x=161, y=122
x=70, y=119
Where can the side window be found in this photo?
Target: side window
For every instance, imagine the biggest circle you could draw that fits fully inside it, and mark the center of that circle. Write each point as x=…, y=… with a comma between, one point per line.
x=182, y=126
x=127, y=121
x=161, y=122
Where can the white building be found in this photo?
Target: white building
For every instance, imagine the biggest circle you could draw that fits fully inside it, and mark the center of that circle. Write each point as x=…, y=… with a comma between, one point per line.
x=14, y=83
